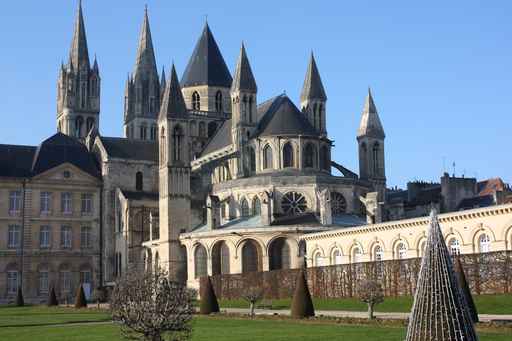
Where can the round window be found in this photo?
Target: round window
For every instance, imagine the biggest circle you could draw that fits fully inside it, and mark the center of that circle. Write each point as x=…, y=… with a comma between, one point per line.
x=294, y=203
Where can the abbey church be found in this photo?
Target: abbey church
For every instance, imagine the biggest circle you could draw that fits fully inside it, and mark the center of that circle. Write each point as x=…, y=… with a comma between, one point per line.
x=210, y=179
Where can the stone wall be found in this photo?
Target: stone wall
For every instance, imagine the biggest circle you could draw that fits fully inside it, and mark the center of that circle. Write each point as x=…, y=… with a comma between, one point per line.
x=489, y=273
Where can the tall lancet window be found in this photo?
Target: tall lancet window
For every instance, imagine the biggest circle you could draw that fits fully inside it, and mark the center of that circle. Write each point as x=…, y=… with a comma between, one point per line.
x=375, y=157
x=244, y=109
x=177, y=141
x=196, y=101
x=83, y=95
x=218, y=101
x=320, y=116
x=249, y=110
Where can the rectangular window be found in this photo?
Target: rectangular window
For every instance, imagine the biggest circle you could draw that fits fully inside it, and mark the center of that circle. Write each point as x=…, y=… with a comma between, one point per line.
x=12, y=282
x=65, y=237
x=66, y=203
x=43, y=282
x=46, y=202
x=65, y=277
x=85, y=237
x=44, y=237
x=14, y=238
x=86, y=203
x=14, y=202
x=85, y=276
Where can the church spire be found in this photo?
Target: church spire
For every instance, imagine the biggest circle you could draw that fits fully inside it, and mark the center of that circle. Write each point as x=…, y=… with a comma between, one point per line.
x=79, y=54
x=370, y=124
x=145, y=61
x=163, y=80
x=243, y=78
x=440, y=311
x=313, y=87
x=173, y=103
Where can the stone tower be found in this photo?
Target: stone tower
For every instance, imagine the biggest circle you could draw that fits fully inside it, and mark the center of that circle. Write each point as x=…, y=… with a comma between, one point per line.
x=313, y=98
x=440, y=311
x=143, y=90
x=244, y=114
x=174, y=176
x=78, y=88
x=370, y=138
x=206, y=81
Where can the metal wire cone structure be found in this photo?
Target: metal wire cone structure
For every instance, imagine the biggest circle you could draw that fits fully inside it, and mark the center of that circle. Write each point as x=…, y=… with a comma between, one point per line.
x=440, y=311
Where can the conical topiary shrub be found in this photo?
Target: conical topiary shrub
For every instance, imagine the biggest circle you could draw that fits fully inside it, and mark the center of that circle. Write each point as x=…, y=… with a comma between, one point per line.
x=20, y=302
x=52, y=298
x=461, y=277
x=208, y=302
x=80, y=301
x=302, y=305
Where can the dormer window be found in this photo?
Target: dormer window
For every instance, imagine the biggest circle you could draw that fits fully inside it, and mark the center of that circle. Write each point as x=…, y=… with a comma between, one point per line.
x=218, y=101
x=196, y=101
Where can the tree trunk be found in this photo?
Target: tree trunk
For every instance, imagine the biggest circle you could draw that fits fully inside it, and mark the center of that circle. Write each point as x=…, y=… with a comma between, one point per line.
x=252, y=309
x=370, y=311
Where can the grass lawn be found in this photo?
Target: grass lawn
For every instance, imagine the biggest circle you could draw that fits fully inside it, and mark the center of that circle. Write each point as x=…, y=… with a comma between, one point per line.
x=205, y=328
x=486, y=304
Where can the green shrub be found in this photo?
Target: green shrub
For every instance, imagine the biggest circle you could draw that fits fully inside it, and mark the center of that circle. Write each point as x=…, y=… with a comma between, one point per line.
x=52, y=298
x=80, y=301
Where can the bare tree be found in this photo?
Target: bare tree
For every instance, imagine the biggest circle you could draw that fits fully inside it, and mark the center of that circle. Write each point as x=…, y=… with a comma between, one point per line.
x=253, y=295
x=150, y=306
x=371, y=293
x=98, y=296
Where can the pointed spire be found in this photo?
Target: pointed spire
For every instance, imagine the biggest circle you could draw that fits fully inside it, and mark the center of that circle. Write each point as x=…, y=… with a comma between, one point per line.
x=95, y=66
x=243, y=78
x=145, y=61
x=440, y=310
x=313, y=87
x=206, y=65
x=79, y=54
x=370, y=122
x=163, y=79
x=173, y=103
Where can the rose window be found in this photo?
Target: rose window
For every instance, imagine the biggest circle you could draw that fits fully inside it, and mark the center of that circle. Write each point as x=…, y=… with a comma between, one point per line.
x=294, y=203
x=338, y=203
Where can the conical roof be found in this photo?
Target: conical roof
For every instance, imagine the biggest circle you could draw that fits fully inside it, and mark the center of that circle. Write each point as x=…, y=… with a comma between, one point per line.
x=145, y=61
x=313, y=87
x=440, y=311
x=370, y=122
x=243, y=78
x=206, y=66
x=173, y=104
x=79, y=53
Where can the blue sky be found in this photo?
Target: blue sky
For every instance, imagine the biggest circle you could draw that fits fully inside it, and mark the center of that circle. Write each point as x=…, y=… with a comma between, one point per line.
x=440, y=71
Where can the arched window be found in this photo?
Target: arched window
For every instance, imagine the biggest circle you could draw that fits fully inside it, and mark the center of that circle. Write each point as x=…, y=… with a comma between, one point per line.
x=356, y=254
x=143, y=132
x=243, y=113
x=90, y=124
x=325, y=161
x=212, y=128
x=218, y=101
x=454, y=246
x=177, y=143
x=249, y=110
x=196, y=101
x=202, y=129
x=378, y=253
x=244, y=208
x=484, y=243
x=294, y=203
x=279, y=255
x=256, y=206
x=338, y=204
x=401, y=251
x=375, y=157
x=200, y=259
x=320, y=116
x=252, y=160
x=336, y=257
x=79, y=122
x=363, y=159
x=314, y=116
x=309, y=156
x=162, y=146
x=154, y=132
x=83, y=95
x=288, y=155
x=220, y=258
x=250, y=257
x=318, y=260
x=138, y=181
x=267, y=157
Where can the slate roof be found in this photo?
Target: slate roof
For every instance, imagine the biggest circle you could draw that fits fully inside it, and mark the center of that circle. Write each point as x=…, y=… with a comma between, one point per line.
x=145, y=61
x=123, y=148
x=313, y=87
x=27, y=161
x=478, y=201
x=221, y=139
x=243, y=78
x=370, y=124
x=279, y=116
x=79, y=53
x=206, y=66
x=173, y=104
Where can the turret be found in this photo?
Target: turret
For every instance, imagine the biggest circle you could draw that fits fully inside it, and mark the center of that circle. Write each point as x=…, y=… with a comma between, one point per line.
x=244, y=113
x=78, y=90
x=313, y=98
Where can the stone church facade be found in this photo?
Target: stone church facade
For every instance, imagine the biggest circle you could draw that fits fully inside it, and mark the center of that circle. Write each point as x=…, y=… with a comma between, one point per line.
x=208, y=179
